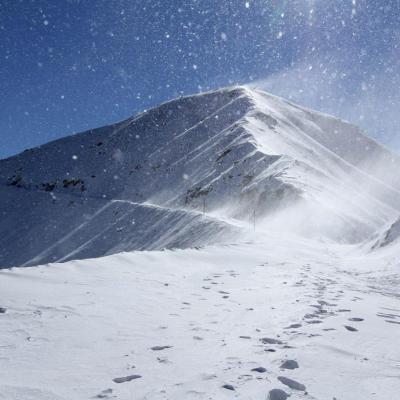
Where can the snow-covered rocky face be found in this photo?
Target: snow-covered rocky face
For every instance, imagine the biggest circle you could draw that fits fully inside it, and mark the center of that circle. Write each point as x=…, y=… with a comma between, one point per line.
x=197, y=170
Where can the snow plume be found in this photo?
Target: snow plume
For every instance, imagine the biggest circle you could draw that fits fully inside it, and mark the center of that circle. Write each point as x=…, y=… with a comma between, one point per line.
x=333, y=83
x=347, y=190
x=347, y=211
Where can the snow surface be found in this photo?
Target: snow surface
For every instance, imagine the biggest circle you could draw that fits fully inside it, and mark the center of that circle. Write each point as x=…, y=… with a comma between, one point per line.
x=71, y=329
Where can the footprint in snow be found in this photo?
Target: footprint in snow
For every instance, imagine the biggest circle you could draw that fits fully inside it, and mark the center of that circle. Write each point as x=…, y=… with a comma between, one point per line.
x=350, y=328
x=392, y=322
x=325, y=303
x=293, y=326
x=261, y=370
x=277, y=394
x=245, y=377
x=126, y=378
x=310, y=316
x=291, y=383
x=159, y=348
x=105, y=394
x=228, y=387
x=163, y=360
x=207, y=376
x=390, y=316
x=356, y=319
x=271, y=341
x=290, y=364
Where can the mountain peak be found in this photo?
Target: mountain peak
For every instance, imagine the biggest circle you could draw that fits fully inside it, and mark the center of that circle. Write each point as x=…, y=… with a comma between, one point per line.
x=214, y=161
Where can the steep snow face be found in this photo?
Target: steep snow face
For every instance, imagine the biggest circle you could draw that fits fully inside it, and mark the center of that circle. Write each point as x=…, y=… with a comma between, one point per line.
x=232, y=154
x=64, y=194
x=76, y=228
x=341, y=173
x=175, y=155
x=388, y=236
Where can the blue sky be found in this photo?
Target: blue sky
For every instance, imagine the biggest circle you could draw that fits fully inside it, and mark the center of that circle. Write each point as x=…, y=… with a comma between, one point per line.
x=71, y=65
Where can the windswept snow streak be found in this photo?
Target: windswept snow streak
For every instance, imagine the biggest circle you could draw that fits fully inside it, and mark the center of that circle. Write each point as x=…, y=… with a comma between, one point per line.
x=233, y=155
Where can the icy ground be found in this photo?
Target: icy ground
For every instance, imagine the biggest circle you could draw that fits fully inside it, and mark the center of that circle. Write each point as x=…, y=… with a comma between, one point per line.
x=183, y=324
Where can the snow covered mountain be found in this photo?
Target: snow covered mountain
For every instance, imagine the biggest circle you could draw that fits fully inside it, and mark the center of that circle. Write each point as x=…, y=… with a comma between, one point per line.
x=287, y=300
x=388, y=236
x=191, y=172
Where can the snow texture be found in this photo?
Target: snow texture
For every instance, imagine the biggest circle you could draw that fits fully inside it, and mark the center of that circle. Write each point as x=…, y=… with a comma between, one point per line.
x=88, y=329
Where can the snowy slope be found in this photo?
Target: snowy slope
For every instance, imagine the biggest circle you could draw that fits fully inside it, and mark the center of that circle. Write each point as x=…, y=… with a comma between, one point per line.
x=235, y=153
x=76, y=228
x=388, y=236
x=182, y=324
x=392, y=234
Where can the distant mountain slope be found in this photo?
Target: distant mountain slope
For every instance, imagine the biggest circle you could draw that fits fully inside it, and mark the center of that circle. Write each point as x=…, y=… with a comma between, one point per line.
x=42, y=228
x=235, y=153
x=389, y=235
